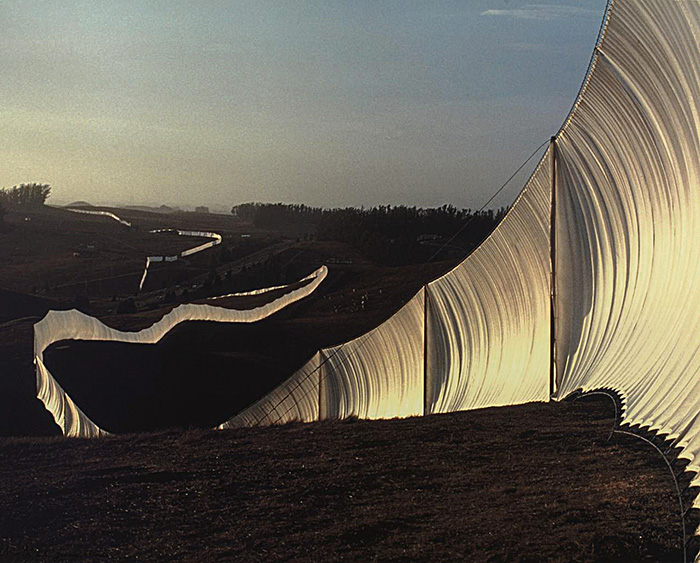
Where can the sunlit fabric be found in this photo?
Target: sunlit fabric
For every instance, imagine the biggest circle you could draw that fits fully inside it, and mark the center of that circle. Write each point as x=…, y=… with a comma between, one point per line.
x=626, y=243
x=74, y=325
x=627, y=226
x=488, y=320
x=100, y=213
x=477, y=337
x=379, y=374
x=262, y=290
x=215, y=239
x=628, y=217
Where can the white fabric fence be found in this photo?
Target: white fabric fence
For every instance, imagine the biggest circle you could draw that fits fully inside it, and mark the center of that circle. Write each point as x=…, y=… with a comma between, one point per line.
x=215, y=239
x=628, y=216
x=99, y=213
x=74, y=325
x=627, y=262
x=627, y=232
x=477, y=337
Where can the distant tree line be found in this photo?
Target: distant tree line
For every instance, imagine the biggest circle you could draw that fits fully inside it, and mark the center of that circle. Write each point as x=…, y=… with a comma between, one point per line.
x=276, y=215
x=389, y=235
x=24, y=195
x=409, y=235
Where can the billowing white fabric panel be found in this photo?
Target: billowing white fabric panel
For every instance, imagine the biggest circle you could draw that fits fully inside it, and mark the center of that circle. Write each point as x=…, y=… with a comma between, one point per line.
x=487, y=340
x=488, y=331
x=380, y=374
x=295, y=400
x=377, y=375
x=628, y=218
x=74, y=325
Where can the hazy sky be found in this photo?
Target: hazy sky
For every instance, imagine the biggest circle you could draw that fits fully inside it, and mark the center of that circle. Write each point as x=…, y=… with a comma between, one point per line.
x=354, y=102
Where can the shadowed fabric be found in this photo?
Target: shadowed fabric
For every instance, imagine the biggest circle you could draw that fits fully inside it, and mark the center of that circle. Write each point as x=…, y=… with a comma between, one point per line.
x=74, y=325
x=294, y=400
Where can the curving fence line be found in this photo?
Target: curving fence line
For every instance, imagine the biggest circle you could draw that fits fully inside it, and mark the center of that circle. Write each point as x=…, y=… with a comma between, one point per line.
x=590, y=282
x=478, y=336
x=215, y=239
x=261, y=291
x=74, y=325
x=100, y=213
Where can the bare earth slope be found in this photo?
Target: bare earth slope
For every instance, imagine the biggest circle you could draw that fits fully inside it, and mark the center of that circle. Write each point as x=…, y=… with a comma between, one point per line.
x=530, y=483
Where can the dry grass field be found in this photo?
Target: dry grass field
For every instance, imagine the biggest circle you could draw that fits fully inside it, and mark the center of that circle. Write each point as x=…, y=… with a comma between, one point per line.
x=531, y=483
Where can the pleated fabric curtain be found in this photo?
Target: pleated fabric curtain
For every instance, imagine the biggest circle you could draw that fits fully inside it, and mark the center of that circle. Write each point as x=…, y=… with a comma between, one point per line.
x=74, y=325
x=628, y=218
x=479, y=336
x=380, y=374
x=488, y=331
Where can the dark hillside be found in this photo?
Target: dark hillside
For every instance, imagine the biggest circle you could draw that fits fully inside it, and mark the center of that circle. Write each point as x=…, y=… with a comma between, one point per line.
x=532, y=483
x=15, y=305
x=21, y=413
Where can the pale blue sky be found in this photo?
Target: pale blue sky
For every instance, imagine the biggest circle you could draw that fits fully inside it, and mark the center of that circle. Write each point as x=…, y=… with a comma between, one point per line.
x=331, y=103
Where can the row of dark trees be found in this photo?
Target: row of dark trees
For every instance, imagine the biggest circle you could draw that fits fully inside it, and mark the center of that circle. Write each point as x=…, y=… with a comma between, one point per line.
x=25, y=195
x=276, y=215
x=409, y=235
x=389, y=235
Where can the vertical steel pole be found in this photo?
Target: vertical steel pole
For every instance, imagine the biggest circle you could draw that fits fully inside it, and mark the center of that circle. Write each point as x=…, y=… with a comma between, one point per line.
x=425, y=350
x=320, y=385
x=553, y=261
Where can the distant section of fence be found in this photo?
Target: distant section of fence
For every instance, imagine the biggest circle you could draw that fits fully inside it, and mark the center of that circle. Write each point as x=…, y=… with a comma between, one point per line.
x=215, y=239
x=101, y=213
